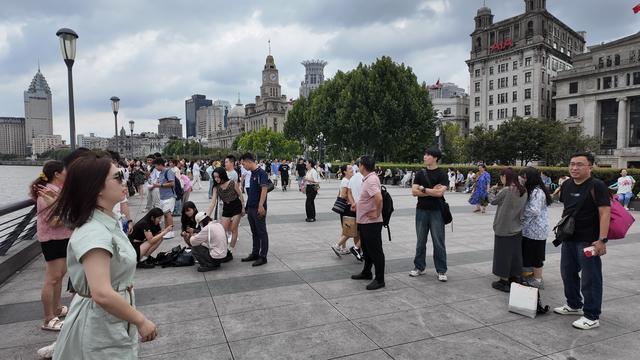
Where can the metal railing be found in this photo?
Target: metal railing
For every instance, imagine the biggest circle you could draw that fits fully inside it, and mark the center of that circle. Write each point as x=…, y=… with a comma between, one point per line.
x=17, y=223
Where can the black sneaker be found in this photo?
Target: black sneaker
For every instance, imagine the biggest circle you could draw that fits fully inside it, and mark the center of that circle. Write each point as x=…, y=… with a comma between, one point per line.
x=362, y=276
x=251, y=257
x=356, y=253
x=148, y=263
x=261, y=261
x=208, y=268
x=227, y=258
x=375, y=285
x=501, y=285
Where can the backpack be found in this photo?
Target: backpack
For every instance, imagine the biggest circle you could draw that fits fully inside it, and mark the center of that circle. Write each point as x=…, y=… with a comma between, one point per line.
x=177, y=186
x=175, y=258
x=387, y=209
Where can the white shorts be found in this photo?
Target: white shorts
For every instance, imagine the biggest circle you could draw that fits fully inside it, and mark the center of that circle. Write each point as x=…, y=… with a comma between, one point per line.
x=168, y=205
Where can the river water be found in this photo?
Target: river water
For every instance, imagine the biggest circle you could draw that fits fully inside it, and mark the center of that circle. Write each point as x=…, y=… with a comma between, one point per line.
x=15, y=181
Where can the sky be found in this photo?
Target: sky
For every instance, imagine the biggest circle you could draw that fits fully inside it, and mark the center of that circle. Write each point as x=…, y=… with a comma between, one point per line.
x=155, y=54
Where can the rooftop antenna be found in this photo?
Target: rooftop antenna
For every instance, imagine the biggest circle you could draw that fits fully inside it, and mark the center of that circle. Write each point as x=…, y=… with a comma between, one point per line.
x=238, y=98
x=38, y=64
x=269, y=46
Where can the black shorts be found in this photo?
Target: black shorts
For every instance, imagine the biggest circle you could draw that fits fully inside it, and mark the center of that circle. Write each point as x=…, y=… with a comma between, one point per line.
x=232, y=209
x=54, y=249
x=533, y=252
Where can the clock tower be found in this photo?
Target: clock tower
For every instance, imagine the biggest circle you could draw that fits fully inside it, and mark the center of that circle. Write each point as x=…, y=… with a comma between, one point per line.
x=270, y=87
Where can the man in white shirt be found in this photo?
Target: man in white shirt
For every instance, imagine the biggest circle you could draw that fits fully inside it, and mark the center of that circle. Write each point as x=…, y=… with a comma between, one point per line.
x=354, y=187
x=196, y=175
x=153, y=193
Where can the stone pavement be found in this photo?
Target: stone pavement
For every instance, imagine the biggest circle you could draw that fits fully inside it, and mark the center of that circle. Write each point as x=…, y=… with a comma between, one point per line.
x=302, y=304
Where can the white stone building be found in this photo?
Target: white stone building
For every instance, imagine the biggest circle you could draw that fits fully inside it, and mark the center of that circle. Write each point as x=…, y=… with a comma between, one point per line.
x=12, y=138
x=313, y=76
x=92, y=141
x=271, y=107
x=170, y=127
x=602, y=94
x=512, y=63
x=38, y=113
x=44, y=143
x=452, y=103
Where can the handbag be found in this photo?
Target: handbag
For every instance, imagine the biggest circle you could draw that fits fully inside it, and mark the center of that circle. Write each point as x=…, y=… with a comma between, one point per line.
x=340, y=205
x=447, y=217
x=270, y=186
x=620, y=222
x=523, y=300
x=349, y=226
x=567, y=224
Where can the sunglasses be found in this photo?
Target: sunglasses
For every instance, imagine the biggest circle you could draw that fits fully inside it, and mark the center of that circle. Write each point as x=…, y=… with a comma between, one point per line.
x=119, y=176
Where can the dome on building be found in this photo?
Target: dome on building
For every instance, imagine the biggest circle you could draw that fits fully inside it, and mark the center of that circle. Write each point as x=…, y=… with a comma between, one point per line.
x=236, y=111
x=484, y=11
x=39, y=83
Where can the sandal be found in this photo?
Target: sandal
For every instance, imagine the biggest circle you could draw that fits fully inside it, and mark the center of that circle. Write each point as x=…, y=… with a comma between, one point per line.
x=54, y=324
x=476, y=210
x=63, y=311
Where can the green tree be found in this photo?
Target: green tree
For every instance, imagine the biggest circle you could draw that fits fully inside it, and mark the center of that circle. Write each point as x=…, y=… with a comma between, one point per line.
x=267, y=143
x=521, y=139
x=482, y=145
x=454, y=144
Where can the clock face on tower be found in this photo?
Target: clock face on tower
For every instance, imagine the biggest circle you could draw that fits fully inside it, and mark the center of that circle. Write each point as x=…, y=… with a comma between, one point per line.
x=273, y=77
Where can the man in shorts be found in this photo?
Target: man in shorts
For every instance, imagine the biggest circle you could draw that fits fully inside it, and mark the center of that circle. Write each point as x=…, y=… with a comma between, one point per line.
x=165, y=183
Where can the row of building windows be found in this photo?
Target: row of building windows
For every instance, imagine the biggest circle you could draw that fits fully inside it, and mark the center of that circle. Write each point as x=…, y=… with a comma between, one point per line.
x=504, y=67
x=503, y=98
x=608, y=82
x=504, y=113
x=504, y=82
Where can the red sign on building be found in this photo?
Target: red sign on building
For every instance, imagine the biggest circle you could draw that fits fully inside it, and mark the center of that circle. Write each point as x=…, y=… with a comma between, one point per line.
x=500, y=46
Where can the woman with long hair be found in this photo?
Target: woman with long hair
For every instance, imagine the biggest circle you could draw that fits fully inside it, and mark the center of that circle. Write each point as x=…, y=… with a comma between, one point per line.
x=232, y=204
x=340, y=247
x=188, y=221
x=53, y=237
x=507, y=227
x=535, y=225
x=147, y=235
x=312, y=184
x=481, y=189
x=103, y=322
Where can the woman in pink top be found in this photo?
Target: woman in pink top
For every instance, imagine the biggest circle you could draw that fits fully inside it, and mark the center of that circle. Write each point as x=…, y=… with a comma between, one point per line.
x=53, y=237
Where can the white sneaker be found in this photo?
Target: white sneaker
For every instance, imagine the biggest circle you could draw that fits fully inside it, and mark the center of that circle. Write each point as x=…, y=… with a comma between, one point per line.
x=416, y=272
x=442, y=277
x=169, y=235
x=46, y=352
x=567, y=310
x=586, y=324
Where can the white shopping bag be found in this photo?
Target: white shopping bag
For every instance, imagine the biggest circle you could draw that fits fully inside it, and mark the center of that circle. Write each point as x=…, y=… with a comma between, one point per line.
x=523, y=300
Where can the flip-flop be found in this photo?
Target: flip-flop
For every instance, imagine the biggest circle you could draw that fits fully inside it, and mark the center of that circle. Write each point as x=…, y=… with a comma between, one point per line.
x=64, y=310
x=54, y=324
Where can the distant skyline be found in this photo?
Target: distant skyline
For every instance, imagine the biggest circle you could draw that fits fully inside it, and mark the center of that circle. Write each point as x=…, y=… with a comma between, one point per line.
x=154, y=55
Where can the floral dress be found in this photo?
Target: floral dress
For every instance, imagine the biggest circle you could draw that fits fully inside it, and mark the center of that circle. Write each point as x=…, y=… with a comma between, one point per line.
x=479, y=195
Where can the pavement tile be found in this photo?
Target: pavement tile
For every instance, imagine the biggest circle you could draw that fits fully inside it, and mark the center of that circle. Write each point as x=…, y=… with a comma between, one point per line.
x=406, y=326
x=216, y=352
x=369, y=355
x=264, y=299
x=348, y=287
x=25, y=352
x=381, y=302
x=623, y=312
x=25, y=333
x=321, y=342
x=488, y=310
x=179, y=311
x=179, y=336
x=253, y=282
x=481, y=343
x=625, y=347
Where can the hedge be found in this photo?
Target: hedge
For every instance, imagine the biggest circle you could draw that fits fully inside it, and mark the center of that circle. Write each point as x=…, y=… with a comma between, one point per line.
x=608, y=175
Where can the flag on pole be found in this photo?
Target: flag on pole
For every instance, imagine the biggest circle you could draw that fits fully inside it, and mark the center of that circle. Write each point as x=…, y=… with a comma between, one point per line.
x=636, y=9
x=438, y=83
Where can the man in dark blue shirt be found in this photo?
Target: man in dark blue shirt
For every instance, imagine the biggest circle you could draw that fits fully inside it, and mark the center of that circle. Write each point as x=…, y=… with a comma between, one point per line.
x=256, y=209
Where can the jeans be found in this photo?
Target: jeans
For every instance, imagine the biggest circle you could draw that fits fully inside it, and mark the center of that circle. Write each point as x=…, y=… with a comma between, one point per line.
x=624, y=198
x=211, y=182
x=259, y=234
x=572, y=261
x=177, y=209
x=309, y=205
x=371, y=243
x=430, y=220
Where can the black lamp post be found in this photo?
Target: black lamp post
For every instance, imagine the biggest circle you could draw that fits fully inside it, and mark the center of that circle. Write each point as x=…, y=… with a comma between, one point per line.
x=131, y=123
x=320, y=139
x=115, y=106
x=68, y=47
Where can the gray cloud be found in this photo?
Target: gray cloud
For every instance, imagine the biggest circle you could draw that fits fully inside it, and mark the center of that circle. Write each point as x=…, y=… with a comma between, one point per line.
x=155, y=54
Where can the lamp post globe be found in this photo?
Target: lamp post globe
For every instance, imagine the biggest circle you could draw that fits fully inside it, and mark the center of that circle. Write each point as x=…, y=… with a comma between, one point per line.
x=131, y=124
x=115, y=106
x=68, y=39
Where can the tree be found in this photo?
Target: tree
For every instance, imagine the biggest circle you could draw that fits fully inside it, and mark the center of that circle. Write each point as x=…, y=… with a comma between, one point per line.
x=520, y=139
x=378, y=109
x=481, y=145
x=454, y=144
x=269, y=144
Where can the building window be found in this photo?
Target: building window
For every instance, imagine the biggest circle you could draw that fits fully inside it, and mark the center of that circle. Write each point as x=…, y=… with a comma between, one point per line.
x=562, y=49
x=527, y=77
x=555, y=45
x=615, y=81
x=466, y=111
x=573, y=87
x=598, y=83
x=476, y=116
x=477, y=101
x=600, y=62
x=636, y=78
x=569, y=53
x=515, y=96
x=477, y=87
x=527, y=94
x=490, y=114
x=609, y=61
x=490, y=84
x=527, y=110
x=514, y=112
x=490, y=99
x=477, y=72
x=628, y=79
x=527, y=62
x=515, y=65
x=573, y=109
x=515, y=80
x=490, y=70
x=606, y=82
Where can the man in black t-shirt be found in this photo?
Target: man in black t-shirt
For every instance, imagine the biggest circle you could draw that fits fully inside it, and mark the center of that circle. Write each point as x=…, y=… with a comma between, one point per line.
x=301, y=171
x=284, y=174
x=591, y=228
x=429, y=186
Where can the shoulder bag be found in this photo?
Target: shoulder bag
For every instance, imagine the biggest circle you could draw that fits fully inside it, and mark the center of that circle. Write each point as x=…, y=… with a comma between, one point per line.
x=567, y=224
x=447, y=217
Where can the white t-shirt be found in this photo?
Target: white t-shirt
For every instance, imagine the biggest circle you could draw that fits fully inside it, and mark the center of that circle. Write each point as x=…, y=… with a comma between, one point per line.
x=355, y=184
x=196, y=169
x=232, y=175
x=312, y=175
x=247, y=176
x=625, y=184
x=355, y=168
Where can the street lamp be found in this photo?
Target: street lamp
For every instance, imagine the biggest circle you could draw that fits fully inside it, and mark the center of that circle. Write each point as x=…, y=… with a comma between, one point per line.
x=440, y=130
x=131, y=123
x=320, y=139
x=115, y=106
x=68, y=47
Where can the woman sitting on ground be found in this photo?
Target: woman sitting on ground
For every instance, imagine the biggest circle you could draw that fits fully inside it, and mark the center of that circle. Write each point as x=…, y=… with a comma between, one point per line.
x=147, y=235
x=209, y=246
x=188, y=221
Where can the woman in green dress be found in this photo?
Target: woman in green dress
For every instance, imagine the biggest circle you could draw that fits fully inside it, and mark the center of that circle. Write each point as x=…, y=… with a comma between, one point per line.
x=103, y=322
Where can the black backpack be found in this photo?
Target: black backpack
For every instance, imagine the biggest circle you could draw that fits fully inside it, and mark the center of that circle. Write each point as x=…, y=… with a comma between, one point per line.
x=177, y=186
x=177, y=257
x=387, y=209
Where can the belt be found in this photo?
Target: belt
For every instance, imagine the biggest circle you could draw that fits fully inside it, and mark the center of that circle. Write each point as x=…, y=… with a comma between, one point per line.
x=128, y=289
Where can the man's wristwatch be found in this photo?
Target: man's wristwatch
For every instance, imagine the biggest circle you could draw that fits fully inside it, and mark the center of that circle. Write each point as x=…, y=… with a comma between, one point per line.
x=604, y=240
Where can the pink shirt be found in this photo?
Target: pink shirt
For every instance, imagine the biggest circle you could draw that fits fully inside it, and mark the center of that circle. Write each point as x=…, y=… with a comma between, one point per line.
x=46, y=231
x=186, y=183
x=367, y=201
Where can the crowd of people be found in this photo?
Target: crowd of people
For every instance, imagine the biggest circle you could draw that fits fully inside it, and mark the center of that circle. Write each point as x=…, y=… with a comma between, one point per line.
x=84, y=228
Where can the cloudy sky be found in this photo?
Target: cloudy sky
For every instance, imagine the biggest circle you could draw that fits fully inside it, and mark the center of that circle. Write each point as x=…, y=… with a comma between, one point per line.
x=155, y=54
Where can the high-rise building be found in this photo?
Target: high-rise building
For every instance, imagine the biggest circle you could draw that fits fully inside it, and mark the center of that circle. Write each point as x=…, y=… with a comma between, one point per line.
x=235, y=127
x=271, y=107
x=191, y=107
x=38, y=112
x=12, y=138
x=602, y=95
x=226, y=107
x=170, y=127
x=512, y=62
x=209, y=120
x=44, y=143
x=313, y=76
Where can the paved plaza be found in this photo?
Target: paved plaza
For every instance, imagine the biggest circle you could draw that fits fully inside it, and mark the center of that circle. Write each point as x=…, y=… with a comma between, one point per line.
x=302, y=304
